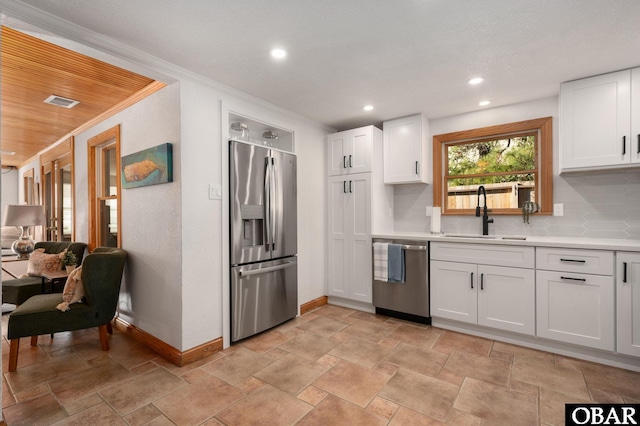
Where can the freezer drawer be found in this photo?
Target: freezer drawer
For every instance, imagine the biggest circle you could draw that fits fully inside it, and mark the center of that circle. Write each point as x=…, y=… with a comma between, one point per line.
x=412, y=296
x=263, y=295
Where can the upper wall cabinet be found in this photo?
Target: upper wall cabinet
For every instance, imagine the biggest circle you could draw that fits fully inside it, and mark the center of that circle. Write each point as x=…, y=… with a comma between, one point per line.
x=350, y=151
x=406, y=150
x=597, y=130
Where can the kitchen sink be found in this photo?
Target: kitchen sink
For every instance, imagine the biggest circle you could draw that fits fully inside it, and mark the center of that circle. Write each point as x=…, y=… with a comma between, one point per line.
x=486, y=237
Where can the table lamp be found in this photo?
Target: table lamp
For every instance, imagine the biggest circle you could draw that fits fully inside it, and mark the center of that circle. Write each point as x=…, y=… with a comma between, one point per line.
x=24, y=217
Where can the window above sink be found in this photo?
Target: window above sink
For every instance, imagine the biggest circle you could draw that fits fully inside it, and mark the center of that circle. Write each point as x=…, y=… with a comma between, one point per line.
x=512, y=161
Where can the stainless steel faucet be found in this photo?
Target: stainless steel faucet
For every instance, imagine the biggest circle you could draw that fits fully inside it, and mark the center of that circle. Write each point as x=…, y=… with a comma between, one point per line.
x=485, y=216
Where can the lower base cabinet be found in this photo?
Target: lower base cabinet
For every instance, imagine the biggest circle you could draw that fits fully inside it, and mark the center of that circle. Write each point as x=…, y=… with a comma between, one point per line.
x=576, y=308
x=583, y=297
x=628, y=303
x=493, y=296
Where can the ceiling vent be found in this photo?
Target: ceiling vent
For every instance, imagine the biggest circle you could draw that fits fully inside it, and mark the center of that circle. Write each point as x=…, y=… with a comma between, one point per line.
x=60, y=101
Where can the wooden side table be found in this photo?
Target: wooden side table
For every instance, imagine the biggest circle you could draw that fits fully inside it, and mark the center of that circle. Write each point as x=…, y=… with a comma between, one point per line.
x=54, y=278
x=12, y=267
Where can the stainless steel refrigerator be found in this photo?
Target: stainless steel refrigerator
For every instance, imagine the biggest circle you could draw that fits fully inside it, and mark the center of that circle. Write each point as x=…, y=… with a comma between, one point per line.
x=263, y=238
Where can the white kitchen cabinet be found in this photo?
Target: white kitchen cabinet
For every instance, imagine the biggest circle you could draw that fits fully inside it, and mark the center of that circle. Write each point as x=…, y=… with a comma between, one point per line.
x=350, y=151
x=635, y=117
x=454, y=293
x=597, y=130
x=628, y=303
x=486, y=294
x=406, y=150
x=358, y=204
x=350, y=237
x=575, y=296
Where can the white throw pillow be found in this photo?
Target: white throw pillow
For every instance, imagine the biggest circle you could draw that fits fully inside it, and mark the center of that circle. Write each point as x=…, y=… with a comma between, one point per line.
x=73, y=290
x=41, y=262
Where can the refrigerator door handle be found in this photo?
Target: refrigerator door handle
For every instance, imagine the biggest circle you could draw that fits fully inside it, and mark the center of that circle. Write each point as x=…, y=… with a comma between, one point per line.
x=274, y=205
x=267, y=204
x=266, y=270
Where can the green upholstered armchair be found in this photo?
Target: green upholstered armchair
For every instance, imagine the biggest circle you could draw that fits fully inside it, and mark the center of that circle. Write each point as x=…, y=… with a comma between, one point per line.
x=18, y=290
x=101, y=277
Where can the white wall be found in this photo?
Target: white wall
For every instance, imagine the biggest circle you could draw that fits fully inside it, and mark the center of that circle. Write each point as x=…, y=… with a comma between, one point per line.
x=9, y=194
x=202, y=267
x=151, y=296
x=596, y=204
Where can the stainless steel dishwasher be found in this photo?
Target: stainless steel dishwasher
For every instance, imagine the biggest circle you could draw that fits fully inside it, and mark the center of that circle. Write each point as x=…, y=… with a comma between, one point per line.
x=408, y=300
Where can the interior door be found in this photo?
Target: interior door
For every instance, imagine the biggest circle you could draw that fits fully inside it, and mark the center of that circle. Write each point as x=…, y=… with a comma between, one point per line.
x=57, y=191
x=58, y=198
x=49, y=201
x=64, y=198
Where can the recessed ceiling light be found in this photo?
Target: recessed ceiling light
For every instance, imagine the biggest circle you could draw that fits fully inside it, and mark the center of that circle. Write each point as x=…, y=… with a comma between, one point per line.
x=476, y=80
x=368, y=107
x=5, y=152
x=484, y=103
x=278, y=53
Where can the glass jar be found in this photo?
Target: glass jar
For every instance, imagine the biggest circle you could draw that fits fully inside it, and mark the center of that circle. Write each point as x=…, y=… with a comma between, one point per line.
x=269, y=138
x=239, y=131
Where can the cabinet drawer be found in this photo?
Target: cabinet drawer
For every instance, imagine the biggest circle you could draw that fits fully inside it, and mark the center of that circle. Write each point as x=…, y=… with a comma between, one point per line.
x=484, y=254
x=575, y=260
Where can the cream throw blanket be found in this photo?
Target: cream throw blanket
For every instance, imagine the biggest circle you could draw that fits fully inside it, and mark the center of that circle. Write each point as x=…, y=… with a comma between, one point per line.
x=73, y=290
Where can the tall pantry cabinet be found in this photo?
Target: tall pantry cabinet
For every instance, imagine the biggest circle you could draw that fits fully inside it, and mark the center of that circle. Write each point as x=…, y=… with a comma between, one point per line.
x=358, y=204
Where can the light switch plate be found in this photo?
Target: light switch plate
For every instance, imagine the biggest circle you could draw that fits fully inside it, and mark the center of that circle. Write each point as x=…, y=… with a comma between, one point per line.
x=558, y=209
x=215, y=192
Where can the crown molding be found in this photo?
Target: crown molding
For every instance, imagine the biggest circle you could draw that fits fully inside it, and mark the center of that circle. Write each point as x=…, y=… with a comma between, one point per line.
x=159, y=69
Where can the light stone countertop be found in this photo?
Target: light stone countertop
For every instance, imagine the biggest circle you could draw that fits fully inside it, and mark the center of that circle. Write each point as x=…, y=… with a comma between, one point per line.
x=516, y=240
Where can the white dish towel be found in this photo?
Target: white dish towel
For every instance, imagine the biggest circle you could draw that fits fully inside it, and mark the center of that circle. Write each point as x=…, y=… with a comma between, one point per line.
x=380, y=262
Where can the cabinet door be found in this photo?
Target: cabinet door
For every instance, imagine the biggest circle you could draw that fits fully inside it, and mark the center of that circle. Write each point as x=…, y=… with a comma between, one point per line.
x=595, y=121
x=454, y=291
x=337, y=145
x=349, y=247
x=506, y=298
x=360, y=150
x=349, y=151
x=360, y=256
x=628, y=303
x=339, y=236
x=635, y=118
x=575, y=308
x=403, y=146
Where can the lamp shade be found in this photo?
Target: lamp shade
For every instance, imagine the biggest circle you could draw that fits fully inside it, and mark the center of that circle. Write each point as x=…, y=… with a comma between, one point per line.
x=15, y=215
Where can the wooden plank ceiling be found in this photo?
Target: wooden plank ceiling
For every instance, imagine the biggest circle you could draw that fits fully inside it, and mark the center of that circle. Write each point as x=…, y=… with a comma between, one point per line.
x=31, y=71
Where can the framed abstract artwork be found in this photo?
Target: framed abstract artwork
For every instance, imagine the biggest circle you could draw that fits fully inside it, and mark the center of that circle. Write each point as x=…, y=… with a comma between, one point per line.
x=151, y=166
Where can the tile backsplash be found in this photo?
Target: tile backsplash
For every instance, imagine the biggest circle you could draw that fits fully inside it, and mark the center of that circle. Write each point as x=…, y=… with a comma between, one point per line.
x=596, y=205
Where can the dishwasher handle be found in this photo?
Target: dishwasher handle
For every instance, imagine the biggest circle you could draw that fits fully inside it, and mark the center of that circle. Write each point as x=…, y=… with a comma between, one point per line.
x=412, y=247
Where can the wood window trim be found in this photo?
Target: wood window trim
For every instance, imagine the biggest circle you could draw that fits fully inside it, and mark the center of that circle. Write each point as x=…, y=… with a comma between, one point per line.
x=544, y=159
x=93, y=144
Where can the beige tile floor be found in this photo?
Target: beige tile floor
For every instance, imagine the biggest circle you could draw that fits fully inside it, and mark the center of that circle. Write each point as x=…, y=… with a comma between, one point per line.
x=332, y=366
